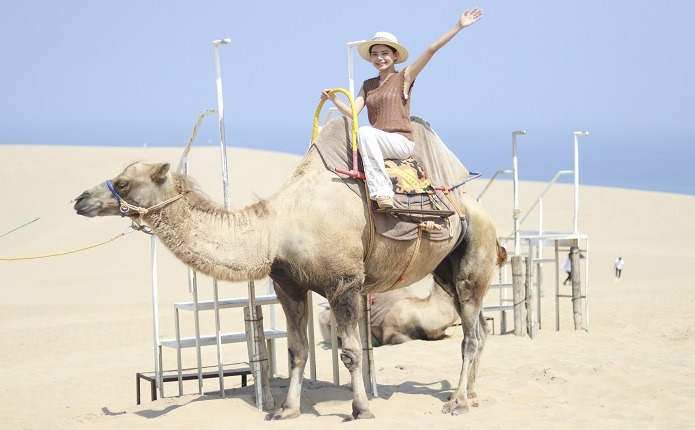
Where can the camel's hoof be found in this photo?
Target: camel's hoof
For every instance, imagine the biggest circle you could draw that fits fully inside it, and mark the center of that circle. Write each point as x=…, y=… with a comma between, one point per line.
x=282, y=414
x=455, y=407
x=473, y=397
x=365, y=415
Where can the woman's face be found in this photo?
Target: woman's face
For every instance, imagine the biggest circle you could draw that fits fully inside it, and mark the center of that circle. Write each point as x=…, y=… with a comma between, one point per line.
x=383, y=57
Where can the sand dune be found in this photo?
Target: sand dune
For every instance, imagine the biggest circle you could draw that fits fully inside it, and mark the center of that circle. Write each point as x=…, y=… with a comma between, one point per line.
x=75, y=329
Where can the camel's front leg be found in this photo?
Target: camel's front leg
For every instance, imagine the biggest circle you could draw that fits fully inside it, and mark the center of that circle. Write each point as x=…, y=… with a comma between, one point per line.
x=471, y=348
x=345, y=305
x=294, y=303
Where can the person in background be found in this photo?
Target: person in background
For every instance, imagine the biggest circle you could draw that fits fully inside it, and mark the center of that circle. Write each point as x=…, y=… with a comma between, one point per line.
x=567, y=265
x=619, y=267
x=387, y=97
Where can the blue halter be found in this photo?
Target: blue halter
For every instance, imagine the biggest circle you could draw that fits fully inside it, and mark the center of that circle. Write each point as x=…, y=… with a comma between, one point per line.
x=123, y=206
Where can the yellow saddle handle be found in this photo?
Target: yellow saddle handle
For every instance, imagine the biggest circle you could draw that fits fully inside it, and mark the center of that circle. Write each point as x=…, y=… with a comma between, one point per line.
x=354, y=172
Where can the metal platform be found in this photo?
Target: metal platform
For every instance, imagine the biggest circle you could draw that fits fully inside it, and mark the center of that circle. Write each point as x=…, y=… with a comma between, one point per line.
x=237, y=302
x=189, y=342
x=188, y=376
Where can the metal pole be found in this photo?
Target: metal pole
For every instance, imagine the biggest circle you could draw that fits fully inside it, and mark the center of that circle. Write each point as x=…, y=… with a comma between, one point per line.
x=364, y=336
x=515, y=172
x=518, y=285
x=192, y=277
x=586, y=285
x=370, y=348
x=155, y=317
x=271, y=342
x=220, y=115
x=351, y=76
x=225, y=189
x=196, y=317
x=312, y=341
x=576, y=178
x=334, y=350
x=179, y=372
x=539, y=264
x=218, y=335
x=576, y=285
x=194, y=133
x=557, y=287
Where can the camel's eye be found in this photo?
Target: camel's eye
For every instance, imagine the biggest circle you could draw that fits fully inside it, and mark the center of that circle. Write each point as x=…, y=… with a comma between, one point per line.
x=122, y=185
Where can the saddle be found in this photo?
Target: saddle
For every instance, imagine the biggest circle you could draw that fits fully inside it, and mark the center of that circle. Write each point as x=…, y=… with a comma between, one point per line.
x=416, y=200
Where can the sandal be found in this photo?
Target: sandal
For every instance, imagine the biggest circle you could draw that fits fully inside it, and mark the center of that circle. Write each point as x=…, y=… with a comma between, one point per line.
x=384, y=202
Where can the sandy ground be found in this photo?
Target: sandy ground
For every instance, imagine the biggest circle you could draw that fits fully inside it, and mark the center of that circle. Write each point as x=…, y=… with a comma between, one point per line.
x=75, y=329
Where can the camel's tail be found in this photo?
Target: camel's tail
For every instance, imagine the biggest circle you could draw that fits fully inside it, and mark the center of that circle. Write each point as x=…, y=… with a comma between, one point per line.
x=501, y=254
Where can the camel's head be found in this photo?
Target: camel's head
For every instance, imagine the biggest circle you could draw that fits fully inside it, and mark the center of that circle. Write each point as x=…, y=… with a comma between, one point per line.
x=140, y=184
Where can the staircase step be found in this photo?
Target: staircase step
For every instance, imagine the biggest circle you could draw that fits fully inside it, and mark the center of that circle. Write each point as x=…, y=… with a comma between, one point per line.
x=189, y=342
x=502, y=285
x=498, y=308
x=236, y=302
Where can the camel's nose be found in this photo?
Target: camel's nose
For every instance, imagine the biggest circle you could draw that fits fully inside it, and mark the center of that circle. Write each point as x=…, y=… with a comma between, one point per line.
x=86, y=206
x=82, y=196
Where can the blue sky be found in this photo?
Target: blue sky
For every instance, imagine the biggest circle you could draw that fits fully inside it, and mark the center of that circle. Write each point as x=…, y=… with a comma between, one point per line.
x=136, y=72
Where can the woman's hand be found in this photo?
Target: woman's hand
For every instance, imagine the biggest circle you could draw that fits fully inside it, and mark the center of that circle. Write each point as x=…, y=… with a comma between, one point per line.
x=325, y=94
x=470, y=17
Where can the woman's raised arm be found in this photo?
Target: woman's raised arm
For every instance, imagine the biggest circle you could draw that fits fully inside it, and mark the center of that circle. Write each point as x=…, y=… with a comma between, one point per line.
x=467, y=18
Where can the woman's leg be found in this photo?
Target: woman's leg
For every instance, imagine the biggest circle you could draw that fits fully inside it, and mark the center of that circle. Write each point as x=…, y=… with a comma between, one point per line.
x=374, y=146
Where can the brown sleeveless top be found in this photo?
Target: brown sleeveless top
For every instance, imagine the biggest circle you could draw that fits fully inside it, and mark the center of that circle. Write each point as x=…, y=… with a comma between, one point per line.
x=387, y=108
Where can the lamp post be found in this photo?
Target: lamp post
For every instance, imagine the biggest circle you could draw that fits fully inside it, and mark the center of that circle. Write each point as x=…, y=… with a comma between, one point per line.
x=220, y=116
x=577, y=134
x=515, y=173
x=351, y=75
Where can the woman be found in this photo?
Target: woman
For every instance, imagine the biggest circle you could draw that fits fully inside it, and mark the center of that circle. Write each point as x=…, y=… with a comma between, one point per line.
x=387, y=98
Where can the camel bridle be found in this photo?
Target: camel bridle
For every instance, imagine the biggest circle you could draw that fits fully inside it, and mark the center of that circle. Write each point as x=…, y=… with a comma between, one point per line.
x=125, y=207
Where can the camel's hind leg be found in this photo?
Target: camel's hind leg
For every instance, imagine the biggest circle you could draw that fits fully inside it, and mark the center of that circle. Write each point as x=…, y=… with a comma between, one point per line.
x=471, y=347
x=345, y=305
x=485, y=331
x=457, y=277
x=294, y=302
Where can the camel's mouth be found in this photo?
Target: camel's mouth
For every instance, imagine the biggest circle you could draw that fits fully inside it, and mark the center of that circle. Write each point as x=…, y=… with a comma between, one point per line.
x=86, y=206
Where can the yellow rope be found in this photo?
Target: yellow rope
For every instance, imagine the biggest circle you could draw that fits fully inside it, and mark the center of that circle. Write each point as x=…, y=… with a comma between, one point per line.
x=55, y=254
x=453, y=203
x=133, y=227
x=412, y=258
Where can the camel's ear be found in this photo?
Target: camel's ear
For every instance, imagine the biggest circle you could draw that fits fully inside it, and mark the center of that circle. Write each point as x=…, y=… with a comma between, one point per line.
x=159, y=172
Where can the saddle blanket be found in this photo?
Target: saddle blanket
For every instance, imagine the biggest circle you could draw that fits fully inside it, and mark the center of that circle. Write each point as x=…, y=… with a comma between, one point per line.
x=413, y=180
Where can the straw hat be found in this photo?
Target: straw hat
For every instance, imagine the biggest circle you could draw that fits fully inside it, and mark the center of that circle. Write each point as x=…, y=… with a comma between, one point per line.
x=383, y=38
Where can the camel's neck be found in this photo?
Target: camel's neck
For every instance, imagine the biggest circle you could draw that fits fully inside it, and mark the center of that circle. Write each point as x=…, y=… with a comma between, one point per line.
x=230, y=246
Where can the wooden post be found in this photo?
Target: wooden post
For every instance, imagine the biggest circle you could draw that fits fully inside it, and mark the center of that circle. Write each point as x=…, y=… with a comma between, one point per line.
x=530, y=299
x=518, y=288
x=576, y=287
x=260, y=367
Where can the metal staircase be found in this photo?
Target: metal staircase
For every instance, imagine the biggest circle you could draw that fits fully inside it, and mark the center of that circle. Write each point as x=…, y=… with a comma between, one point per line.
x=534, y=241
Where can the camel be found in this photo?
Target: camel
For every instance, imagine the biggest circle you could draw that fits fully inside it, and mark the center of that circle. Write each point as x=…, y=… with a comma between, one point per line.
x=313, y=235
x=403, y=315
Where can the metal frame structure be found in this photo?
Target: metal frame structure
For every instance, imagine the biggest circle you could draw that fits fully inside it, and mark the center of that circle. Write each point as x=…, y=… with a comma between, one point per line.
x=536, y=240
x=506, y=303
x=255, y=335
